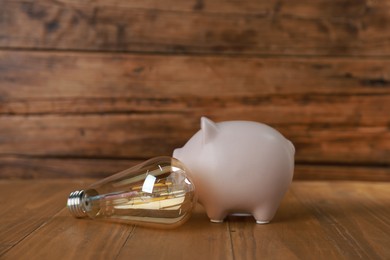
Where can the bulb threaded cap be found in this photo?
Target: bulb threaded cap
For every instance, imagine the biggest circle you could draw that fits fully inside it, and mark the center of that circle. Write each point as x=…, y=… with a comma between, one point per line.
x=75, y=205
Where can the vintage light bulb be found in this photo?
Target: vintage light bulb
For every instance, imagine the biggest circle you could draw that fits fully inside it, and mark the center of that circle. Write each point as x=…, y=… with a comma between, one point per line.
x=156, y=193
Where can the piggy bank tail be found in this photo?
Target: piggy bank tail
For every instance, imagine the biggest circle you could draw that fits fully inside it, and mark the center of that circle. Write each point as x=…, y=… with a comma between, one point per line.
x=291, y=147
x=291, y=154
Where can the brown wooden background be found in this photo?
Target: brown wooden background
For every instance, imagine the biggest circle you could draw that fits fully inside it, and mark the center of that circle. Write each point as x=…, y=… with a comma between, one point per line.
x=89, y=87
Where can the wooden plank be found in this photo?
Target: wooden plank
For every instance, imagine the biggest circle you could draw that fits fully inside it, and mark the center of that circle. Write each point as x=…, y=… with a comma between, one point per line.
x=27, y=205
x=326, y=110
x=66, y=237
x=126, y=136
x=149, y=135
x=322, y=220
x=342, y=172
x=38, y=168
x=197, y=239
x=252, y=27
x=94, y=75
x=275, y=90
x=312, y=109
x=292, y=234
x=332, y=144
x=356, y=213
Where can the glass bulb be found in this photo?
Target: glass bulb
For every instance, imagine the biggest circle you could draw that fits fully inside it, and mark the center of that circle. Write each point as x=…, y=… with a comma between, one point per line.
x=155, y=193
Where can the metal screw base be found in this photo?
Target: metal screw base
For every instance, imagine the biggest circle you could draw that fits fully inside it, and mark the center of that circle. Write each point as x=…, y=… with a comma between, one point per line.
x=75, y=205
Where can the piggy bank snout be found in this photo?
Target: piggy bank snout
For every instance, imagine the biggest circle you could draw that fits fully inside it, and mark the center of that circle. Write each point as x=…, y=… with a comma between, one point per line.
x=176, y=153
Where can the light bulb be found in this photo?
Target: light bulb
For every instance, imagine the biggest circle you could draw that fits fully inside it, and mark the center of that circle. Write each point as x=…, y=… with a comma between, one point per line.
x=156, y=193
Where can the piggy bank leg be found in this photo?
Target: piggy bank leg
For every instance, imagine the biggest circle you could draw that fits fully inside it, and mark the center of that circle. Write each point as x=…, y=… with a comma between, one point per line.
x=265, y=212
x=216, y=215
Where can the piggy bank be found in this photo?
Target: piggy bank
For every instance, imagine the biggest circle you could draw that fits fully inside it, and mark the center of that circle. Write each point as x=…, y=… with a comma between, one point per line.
x=239, y=167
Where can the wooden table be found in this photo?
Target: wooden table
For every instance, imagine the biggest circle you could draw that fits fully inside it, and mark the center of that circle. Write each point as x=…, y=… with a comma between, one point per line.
x=317, y=220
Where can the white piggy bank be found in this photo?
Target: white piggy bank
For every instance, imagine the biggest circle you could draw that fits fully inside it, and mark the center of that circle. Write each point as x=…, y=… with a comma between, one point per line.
x=239, y=167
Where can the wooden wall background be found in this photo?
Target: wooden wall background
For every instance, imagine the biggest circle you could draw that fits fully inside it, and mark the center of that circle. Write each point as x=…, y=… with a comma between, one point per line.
x=89, y=87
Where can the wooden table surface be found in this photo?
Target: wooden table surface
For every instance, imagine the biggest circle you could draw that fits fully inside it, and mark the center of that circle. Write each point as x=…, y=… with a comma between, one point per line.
x=317, y=220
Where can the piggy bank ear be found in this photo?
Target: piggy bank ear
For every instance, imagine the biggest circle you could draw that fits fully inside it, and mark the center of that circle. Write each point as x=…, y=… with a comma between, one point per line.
x=209, y=129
